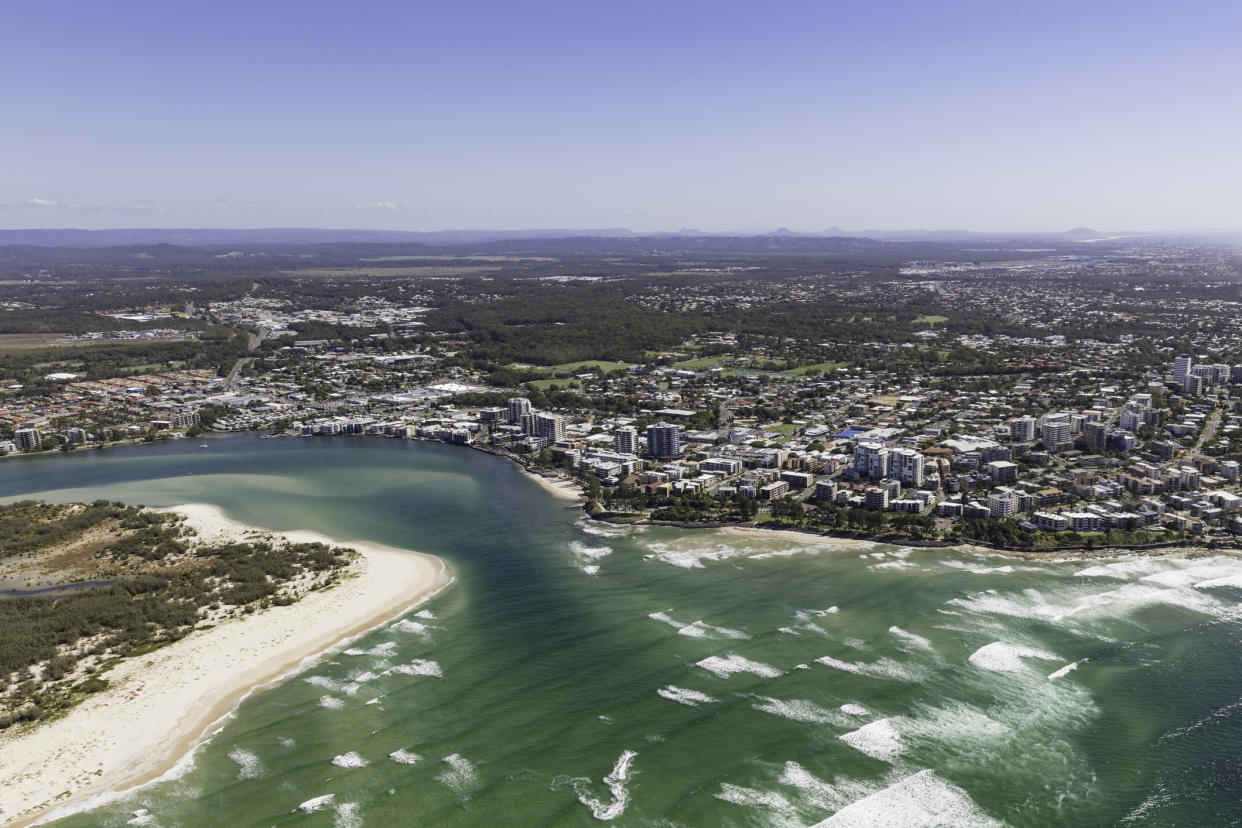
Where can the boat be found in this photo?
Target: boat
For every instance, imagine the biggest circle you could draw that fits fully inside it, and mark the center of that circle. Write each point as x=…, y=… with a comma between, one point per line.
x=202, y=445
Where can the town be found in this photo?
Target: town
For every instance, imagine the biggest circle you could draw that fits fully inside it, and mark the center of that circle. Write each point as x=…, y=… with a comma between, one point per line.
x=1029, y=399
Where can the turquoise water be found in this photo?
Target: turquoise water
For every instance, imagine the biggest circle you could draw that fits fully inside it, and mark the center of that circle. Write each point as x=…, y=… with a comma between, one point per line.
x=579, y=673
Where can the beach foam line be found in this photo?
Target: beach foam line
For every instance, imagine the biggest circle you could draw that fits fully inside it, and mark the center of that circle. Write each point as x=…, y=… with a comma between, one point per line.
x=163, y=706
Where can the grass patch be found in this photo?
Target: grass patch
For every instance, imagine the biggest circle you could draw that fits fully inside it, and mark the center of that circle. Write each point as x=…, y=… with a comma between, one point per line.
x=703, y=362
x=545, y=384
x=822, y=367
x=586, y=365
x=930, y=319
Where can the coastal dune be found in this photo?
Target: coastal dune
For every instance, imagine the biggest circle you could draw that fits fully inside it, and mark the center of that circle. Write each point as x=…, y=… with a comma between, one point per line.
x=160, y=707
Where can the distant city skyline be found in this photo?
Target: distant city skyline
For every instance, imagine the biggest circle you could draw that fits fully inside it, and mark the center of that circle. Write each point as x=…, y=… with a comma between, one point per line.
x=720, y=116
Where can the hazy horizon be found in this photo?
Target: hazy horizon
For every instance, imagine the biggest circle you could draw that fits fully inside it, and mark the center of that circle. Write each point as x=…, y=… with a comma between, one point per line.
x=725, y=117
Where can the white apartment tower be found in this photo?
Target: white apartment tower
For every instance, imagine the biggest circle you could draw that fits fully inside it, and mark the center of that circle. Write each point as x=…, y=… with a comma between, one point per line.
x=625, y=440
x=1054, y=429
x=1022, y=430
x=550, y=427
x=871, y=460
x=519, y=407
x=1181, y=368
x=907, y=466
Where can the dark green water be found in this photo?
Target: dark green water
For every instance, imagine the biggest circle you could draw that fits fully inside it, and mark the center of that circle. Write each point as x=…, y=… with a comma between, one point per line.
x=578, y=673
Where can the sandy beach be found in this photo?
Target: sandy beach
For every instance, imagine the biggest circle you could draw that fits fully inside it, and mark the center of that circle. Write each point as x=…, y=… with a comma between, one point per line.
x=557, y=486
x=159, y=707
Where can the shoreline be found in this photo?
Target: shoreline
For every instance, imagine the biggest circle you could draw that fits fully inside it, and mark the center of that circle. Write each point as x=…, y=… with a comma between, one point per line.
x=558, y=487
x=161, y=707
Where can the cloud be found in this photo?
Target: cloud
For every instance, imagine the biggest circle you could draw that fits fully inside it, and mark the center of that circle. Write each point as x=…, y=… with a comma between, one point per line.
x=145, y=205
x=378, y=205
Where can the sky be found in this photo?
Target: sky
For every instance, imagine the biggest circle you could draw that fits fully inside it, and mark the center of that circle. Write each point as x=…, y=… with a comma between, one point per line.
x=997, y=115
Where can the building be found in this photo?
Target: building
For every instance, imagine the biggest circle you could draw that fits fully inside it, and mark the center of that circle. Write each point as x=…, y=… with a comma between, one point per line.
x=724, y=465
x=1022, y=430
x=876, y=498
x=549, y=427
x=1002, y=471
x=26, y=438
x=664, y=439
x=1055, y=429
x=76, y=435
x=774, y=490
x=1051, y=522
x=519, y=407
x=1083, y=521
x=1001, y=505
x=871, y=460
x=906, y=465
x=1181, y=369
x=625, y=440
x=798, y=481
x=825, y=491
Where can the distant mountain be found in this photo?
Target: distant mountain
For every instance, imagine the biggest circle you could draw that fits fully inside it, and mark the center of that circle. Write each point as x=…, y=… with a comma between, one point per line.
x=1081, y=234
x=209, y=237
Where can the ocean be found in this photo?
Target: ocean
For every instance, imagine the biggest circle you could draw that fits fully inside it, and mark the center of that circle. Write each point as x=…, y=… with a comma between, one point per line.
x=580, y=673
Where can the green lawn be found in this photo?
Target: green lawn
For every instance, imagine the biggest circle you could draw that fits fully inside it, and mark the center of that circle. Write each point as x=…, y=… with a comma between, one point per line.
x=703, y=362
x=822, y=367
x=545, y=384
x=576, y=367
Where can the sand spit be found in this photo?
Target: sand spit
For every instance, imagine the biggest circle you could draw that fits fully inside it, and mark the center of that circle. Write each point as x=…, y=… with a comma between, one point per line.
x=161, y=706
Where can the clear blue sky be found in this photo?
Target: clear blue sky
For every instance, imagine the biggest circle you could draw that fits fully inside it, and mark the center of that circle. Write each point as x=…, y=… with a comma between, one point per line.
x=991, y=115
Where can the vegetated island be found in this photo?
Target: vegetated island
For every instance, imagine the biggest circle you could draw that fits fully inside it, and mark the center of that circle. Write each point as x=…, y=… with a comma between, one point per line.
x=128, y=632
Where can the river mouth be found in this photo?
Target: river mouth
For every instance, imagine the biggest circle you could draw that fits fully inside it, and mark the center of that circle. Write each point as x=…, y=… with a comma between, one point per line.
x=579, y=671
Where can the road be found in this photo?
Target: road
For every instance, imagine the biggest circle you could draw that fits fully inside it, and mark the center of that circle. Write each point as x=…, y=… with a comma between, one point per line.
x=255, y=340
x=1209, y=431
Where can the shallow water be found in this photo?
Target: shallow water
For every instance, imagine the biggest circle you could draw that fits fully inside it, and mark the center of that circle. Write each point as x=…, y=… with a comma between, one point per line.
x=578, y=673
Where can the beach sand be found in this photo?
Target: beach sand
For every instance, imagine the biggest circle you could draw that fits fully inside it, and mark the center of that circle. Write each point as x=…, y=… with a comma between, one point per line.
x=558, y=486
x=161, y=706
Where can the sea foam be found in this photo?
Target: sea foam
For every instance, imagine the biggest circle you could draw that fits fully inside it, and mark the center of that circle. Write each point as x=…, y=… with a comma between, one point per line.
x=461, y=775
x=798, y=710
x=727, y=666
x=404, y=757
x=318, y=803
x=248, y=763
x=615, y=781
x=922, y=800
x=1002, y=657
x=349, y=760
x=419, y=667
x=681, y=695
x=879, y=740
